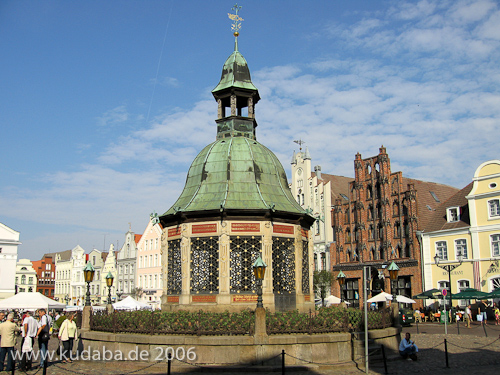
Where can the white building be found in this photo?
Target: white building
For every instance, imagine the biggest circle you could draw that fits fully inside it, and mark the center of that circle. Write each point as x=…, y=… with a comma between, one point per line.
x=126, y=260
x=315, y=192
x=108, y=266
x=9, y=241
x=63, y=266
x=26, y=279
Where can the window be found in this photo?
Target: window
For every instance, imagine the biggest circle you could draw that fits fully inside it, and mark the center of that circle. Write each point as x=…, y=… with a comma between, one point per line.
x=30, y=280
x=140, y=261
x=461, y=248
x=462, y=285
x=348, y=235
x=351, y=292
x=453, y=214
x=23, y=279
x=323, y=261
x=494, y=206
x=404, y=286
x=395, y=208
x=495, y=245
x=442, y=250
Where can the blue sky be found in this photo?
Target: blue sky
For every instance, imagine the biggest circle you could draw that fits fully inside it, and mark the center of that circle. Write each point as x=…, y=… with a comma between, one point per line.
x=106, y=103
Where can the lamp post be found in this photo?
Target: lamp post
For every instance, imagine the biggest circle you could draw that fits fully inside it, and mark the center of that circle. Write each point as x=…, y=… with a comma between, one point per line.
x=341, y=279
x=259, y=270
x=448, y=268
x=109, y=284
x=88, y=273
x=393, y=275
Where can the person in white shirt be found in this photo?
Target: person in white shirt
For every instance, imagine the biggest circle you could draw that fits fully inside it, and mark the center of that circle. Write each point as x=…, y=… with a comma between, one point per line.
x=407, y=348
x=29, y=330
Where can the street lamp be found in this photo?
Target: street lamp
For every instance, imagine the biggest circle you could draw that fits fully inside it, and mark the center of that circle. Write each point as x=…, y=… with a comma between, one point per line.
x=109, y=284
x=88, y=273
x=393, y=275
x=259, y=270
x=341, y=279
x=448, y=268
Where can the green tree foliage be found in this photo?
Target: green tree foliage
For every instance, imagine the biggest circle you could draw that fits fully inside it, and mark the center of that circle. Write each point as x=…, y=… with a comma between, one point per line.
x=321, y=281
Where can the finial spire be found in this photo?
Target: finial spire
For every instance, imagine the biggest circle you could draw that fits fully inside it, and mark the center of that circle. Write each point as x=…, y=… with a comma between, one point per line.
x=236, y=25
x=300, y=142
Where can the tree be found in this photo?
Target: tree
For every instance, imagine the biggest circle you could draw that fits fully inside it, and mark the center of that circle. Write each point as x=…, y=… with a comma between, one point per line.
x=138, y=292
x=322, y=281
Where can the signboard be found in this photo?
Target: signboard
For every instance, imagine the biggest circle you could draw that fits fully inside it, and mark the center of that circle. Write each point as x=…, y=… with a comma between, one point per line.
x=284, y=229
x=245, y=298
x=209, y=298
x=174, y=232
x=204, y=228
x=245, y=227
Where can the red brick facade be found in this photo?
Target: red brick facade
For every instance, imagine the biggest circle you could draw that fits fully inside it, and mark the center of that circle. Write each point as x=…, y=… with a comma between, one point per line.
x=376, y=225
x=45, y=272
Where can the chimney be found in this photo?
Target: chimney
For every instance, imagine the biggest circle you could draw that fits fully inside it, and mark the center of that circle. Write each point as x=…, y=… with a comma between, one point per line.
x=317, y=170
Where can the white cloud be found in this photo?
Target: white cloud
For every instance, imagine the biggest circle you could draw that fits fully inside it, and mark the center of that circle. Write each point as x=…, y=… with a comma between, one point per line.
x=113, y=117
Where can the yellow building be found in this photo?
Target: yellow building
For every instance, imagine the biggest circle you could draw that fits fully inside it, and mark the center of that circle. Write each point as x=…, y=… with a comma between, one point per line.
x=464, y=234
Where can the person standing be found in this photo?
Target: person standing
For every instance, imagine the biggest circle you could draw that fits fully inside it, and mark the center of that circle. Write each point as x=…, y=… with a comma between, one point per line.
x=467, y=316
x=8, y=331
x=496, y=311
x=29, y=330
x=481, y=310
x=43, y=335
x=68, y=334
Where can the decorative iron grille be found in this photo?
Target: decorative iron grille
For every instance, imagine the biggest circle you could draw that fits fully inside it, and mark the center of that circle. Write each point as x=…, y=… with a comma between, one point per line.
x=283, y=265
x=305, y=267
x=174, y=271
x=244, y=251
x=205, y=265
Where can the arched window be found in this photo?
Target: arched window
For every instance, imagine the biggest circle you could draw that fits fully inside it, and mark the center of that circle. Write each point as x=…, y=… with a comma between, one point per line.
x=348, y=235
x=377, y=167
x=381, y=253
x=405, y=208
x=369, y=192
x=347, y=216
x=395, y=208
x=349, y=255
x=398, y=251
x=372, y=253
x=380, y=230
x=370, y=212
x=371, y=234
x=377, y=192
x=368, y=169
x=395, y=186
x=407, y=251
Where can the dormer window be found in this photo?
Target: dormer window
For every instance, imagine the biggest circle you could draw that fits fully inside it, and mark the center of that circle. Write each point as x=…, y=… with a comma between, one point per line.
x=453, y=214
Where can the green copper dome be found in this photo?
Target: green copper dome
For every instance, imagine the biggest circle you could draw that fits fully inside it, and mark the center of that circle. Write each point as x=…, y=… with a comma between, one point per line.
x=236, y=176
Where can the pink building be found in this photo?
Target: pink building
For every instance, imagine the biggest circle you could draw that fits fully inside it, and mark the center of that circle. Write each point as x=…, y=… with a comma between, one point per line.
x=149, y=278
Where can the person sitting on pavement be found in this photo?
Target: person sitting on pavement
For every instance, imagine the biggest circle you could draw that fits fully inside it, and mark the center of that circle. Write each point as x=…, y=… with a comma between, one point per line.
x=407, y=348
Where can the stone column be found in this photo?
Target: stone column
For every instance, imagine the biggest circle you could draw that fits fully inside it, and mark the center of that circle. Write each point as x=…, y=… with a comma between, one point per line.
x=233, y=105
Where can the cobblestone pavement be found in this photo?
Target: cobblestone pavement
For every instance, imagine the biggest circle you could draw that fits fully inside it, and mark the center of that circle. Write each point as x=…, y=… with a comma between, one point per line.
x=469, y=353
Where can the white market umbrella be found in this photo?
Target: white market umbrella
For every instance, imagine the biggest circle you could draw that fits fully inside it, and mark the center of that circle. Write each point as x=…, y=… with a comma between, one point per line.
x=30, y=301
x=332, y=300
x=381, y=297
x=131, y=304
x=403, y=299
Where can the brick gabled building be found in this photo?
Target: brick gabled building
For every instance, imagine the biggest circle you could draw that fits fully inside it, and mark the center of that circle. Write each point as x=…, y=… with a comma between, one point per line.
x=46, y=275
x=378, y=224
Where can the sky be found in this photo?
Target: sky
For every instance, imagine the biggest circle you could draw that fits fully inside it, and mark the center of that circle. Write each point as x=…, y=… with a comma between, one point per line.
x=105, y=104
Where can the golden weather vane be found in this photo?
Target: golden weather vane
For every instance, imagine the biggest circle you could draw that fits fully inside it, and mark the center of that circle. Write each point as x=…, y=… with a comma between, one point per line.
x=236, y=25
